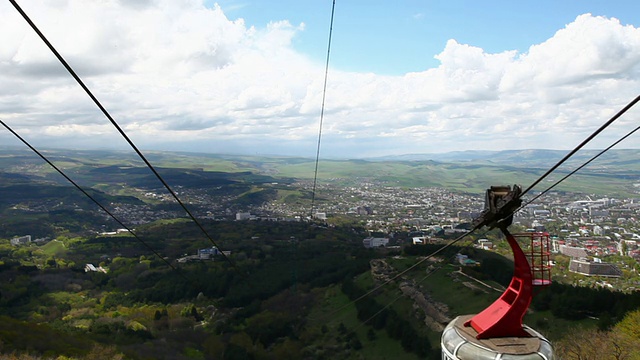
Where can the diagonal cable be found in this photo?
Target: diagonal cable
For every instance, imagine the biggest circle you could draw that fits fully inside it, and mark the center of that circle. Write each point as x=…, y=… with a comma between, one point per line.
x=393, y=301
x=389, y=281
x=120, y=130
x=620, y=113
x=583, y=143
x=615, y=117
x=581, y=166
x=324, y=94
x=94, y=200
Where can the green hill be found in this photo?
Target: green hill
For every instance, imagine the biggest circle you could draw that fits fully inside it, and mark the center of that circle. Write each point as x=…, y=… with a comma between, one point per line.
x=614, y=173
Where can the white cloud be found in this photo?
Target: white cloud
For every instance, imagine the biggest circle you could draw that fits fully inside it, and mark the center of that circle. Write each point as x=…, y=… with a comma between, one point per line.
x=175, y=73
x=584, y=52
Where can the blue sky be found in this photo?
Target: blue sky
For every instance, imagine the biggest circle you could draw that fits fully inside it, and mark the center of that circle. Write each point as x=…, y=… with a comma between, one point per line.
x=393, y=38
x=247, y=76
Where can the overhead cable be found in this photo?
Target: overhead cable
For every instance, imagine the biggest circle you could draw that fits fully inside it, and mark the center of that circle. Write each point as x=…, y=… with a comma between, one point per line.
x=394, y=278
x=429, y=273
x=393, y=301
x=620, y=113
x=120, y=130
x=324, y=94
x=581, y=166
x=584, y=142
x=94, y=200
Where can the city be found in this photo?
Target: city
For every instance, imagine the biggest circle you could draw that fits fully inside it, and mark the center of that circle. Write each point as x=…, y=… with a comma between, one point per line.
x=586, y=229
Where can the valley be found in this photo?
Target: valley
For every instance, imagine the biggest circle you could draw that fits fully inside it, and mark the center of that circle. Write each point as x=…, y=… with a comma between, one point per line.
x=295, y=283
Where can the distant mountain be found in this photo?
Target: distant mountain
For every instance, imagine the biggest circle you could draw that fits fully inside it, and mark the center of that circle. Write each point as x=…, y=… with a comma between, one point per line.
x=538, y=157
x=468, y=155
x=615, y=172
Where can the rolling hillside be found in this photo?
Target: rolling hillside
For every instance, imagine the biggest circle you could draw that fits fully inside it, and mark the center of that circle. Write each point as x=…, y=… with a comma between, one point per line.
x=616, y=173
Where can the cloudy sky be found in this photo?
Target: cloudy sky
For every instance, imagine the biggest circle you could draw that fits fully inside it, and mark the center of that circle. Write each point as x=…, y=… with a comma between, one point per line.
x=238, y=76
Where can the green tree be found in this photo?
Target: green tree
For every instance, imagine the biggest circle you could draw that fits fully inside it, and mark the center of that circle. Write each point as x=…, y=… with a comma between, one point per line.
x=629, y=332
x=51, y=262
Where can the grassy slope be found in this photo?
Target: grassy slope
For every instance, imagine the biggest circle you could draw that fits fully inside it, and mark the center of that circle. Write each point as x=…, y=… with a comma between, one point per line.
x=612, y=174
x=464, y=177
x=462, y=300
x=54, y=248
x=336, y=308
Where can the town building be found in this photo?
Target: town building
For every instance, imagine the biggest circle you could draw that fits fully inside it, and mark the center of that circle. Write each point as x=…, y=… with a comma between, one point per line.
x=372, y=242
x=573, y=252
x=419, y=240
x=594, y=268
x=464, y=260
x=92, y=268
x=485, y=244
x=21, y=240
x=320, y=216
x=203, y=254
x=243, y=216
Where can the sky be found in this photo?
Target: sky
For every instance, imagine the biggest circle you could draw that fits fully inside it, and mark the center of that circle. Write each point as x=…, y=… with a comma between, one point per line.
x=247, y=77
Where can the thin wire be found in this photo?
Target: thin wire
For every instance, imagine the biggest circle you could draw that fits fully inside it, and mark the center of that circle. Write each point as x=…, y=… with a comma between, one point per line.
x=399, y=274
x=362, y=323
x=113, y=122
x=94, y=200
x=106, y=113
x=584, y=142
x=580, y=167
x=324, y=94
x=620, y=113
x=418, y=282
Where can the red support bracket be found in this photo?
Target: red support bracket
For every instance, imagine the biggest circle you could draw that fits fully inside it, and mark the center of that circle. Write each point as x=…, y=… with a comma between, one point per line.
x=503, y=318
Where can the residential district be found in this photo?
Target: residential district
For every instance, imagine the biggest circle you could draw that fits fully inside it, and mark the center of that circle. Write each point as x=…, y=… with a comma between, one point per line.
x=586, y=229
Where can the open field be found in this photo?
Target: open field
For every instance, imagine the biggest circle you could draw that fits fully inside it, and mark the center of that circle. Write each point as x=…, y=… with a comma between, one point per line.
x=616, y=173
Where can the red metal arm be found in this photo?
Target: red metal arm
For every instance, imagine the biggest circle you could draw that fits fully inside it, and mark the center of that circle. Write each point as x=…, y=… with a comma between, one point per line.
x=503, y=318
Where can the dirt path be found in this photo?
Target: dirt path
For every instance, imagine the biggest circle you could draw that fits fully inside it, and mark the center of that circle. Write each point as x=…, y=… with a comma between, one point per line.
x=434, y=314
x=459, y=271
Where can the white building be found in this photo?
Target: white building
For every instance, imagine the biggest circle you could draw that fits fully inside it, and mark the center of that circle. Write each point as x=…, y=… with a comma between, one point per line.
x=91, y=268
x=372, y=242
x=598, y=231
x=21, y=240
x=485, y=244
x=419, y=240
x=320, y=216
x=205, y=254
x=243, y=216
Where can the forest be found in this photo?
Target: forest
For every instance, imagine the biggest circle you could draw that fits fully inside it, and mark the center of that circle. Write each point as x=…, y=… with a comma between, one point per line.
x=291, y=290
